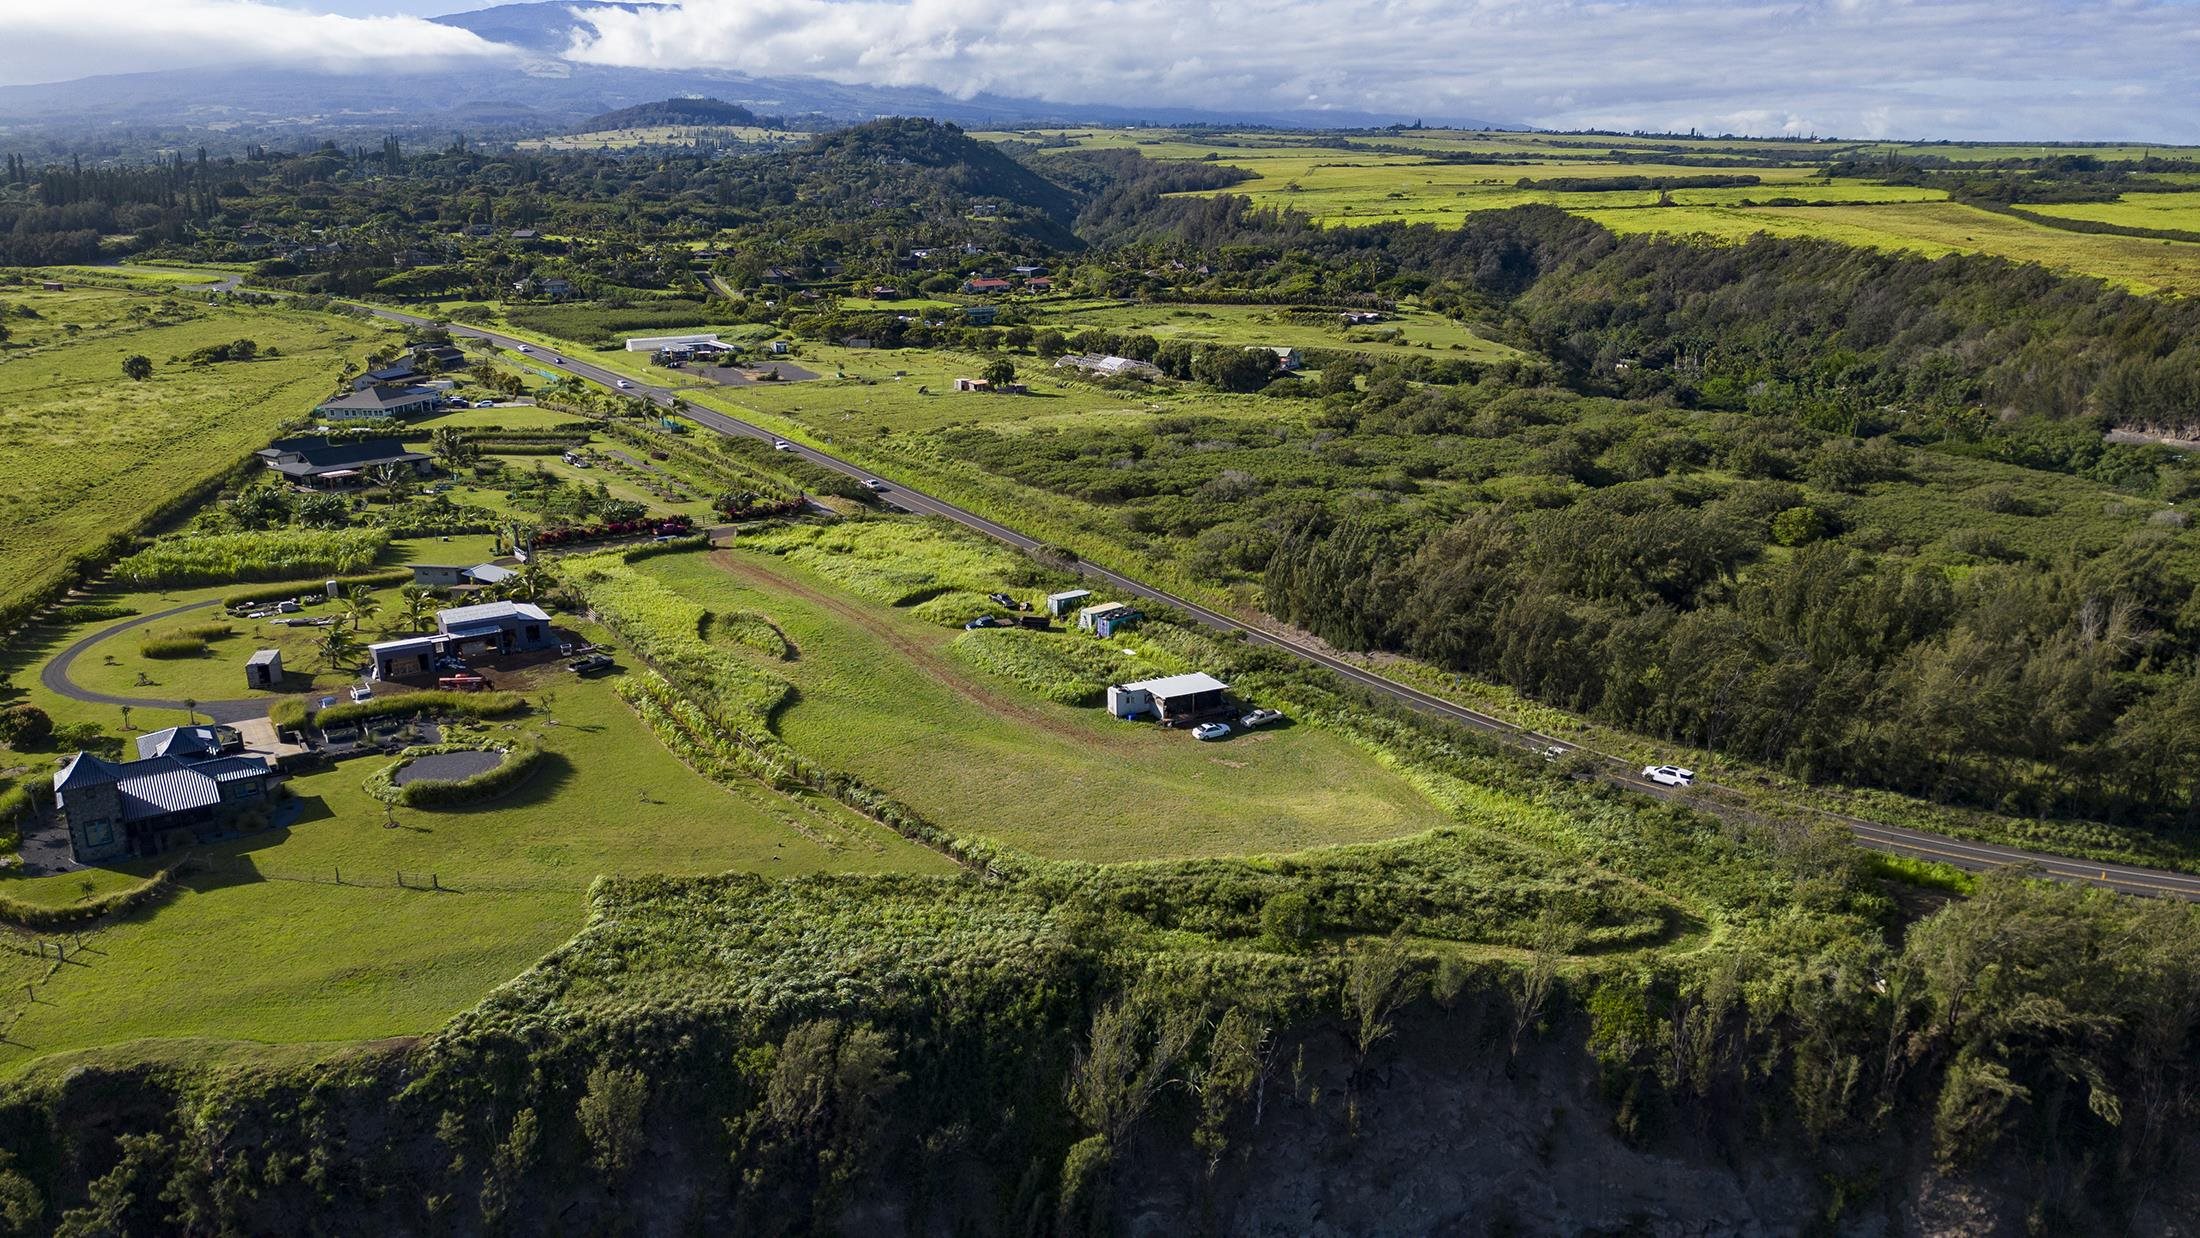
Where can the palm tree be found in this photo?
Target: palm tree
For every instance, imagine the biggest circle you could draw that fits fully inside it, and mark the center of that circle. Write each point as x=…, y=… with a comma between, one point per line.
x=531, y=580
x=190, y=711
x=360, y=605
x=419, y=600
x=338, y=648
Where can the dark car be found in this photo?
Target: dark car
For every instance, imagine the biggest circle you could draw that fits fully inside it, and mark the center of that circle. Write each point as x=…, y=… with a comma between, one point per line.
x=1005, y=600
x=593, y=664
x=986, y=621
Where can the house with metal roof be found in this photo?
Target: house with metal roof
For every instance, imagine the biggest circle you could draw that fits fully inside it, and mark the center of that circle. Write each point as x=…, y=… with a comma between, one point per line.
x=379, y=401
x=1172, y=699
x=327, y=464
x=442, y=576
x=495, y=629
x=136, y=808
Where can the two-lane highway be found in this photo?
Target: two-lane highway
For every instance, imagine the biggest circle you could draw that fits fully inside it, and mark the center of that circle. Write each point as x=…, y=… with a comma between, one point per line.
x=1877, y=836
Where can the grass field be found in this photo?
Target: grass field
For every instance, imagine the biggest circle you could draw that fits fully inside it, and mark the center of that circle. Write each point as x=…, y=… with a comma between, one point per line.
x=86, y=451
x=1410, y=331
x=1935, y=228
x=2179, y=211
x=263, y=945
x=1441, y=176
x=880, y=693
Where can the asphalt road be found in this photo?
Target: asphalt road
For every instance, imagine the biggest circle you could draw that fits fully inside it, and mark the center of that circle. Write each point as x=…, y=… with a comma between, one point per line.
x=1874, y=835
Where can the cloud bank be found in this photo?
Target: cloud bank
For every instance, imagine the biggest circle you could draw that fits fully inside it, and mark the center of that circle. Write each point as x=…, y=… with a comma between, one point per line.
x=1880, y=68
x=2039, y=69
x=57, y=40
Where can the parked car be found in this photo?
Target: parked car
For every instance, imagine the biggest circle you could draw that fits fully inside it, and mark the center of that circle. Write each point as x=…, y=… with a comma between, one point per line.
x=362, y=692
x=1005, y=600
x=1669, y=775
x=485, y=403
x=987, y=621
x=448, y=665
x=780, y=444
x=874, y=483
x=1260, y=717
x=1211, y=730
x=463, y=683
x=592, y=664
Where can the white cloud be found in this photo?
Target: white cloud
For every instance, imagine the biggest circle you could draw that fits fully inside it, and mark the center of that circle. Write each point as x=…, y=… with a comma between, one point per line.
x=56, y=40
x=1966, y=68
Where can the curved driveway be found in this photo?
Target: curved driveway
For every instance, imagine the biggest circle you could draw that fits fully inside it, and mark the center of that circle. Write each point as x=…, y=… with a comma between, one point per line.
x=1874, y=835
x=54, y=675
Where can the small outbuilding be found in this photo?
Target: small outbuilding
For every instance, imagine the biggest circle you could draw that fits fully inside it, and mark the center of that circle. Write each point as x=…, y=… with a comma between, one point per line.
x=1108, y=618
x=1173, y=699
x=1061, y=604
x=264, y=669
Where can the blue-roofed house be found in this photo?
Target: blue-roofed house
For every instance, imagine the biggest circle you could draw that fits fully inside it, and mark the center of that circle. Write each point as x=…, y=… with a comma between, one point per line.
x=190, y=743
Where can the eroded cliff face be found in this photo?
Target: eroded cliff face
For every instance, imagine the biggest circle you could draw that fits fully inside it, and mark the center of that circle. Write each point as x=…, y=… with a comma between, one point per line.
x=1441, y=1130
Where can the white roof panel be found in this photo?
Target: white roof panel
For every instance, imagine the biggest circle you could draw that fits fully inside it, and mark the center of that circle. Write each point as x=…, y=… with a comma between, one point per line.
x=1180, y=685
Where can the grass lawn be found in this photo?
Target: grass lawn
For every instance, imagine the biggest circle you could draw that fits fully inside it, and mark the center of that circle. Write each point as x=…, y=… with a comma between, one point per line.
x=880, y=694
x=264, y=946
x=87, y=451
x=1411, y=332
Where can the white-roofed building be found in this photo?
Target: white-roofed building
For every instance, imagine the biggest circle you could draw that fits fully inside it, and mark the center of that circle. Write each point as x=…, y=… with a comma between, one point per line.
x=1172, y=698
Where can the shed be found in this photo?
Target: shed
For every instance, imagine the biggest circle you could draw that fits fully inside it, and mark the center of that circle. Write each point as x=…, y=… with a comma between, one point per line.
x=1175, y=698
x=1060, y=604
x=264, y=669
x=1108, y=618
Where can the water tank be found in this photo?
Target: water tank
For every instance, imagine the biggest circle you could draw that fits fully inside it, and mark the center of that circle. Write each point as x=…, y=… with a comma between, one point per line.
x=335, y=591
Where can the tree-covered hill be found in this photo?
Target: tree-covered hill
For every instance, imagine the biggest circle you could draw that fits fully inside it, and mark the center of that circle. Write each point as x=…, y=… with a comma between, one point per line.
x=670, y=112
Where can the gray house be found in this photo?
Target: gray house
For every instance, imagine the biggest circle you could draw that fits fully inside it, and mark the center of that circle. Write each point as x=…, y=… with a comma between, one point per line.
x=115, y=811
x=379, y=401
x=495, y=629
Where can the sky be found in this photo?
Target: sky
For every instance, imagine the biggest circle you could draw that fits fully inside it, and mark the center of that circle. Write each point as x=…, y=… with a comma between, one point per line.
x=1978, y=69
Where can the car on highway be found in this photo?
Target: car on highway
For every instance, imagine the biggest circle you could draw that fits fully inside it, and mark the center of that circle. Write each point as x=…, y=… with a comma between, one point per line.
x=780, y=444
x=1260, y=717
x=623, y=384
x=1551, y=752
x=1669, y=775
x=874, y=483
x=525, y=348
x=1211, y=730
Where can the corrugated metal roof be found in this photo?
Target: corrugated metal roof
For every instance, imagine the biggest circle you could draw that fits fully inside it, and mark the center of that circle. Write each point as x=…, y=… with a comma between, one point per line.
x=172, y=787
x=86, y=770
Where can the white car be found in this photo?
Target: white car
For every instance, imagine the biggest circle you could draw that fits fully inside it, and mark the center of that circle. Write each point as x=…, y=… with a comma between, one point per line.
x=1211, y=730
x=525, y=348
x=485, y=403
x=362, y=692
x=874, y=483
x=1669, y=775
x=623, y=384
x=780, y=444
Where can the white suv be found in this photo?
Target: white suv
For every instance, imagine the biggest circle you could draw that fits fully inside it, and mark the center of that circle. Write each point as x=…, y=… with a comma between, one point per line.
x=1669, y=775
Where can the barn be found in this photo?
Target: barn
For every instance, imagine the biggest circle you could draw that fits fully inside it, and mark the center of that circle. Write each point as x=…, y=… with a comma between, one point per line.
x=1173, y=699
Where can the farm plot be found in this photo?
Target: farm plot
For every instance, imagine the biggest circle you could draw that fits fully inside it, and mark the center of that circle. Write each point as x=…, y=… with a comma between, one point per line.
x=879, y=692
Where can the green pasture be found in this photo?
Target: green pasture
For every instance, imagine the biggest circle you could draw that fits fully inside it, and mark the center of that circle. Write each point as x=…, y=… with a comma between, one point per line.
x=2177, y=211
x=89, y=452
x=1935, y=228
x=1409, y=331
x=880, y=693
